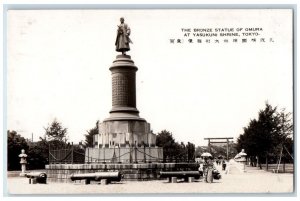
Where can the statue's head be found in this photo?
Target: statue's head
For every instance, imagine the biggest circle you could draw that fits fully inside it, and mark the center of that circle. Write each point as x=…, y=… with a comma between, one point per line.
x=122, y=19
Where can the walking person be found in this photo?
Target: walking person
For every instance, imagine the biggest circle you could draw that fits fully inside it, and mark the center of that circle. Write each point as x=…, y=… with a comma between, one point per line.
x=223, y=165
x=210, y=168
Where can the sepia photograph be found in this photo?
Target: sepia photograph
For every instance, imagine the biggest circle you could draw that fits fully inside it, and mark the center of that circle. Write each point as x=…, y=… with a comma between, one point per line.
x=162, y=100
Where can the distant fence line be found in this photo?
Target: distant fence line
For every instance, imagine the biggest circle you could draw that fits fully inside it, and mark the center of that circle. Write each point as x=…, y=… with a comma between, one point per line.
x=111, y=155
x=70, y=155
x=283, y=168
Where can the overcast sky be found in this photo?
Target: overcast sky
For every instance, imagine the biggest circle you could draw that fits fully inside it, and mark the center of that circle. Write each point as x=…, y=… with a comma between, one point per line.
x=58, y=67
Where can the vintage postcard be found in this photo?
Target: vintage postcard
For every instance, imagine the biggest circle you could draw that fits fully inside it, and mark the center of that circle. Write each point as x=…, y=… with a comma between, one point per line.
x=111, y=101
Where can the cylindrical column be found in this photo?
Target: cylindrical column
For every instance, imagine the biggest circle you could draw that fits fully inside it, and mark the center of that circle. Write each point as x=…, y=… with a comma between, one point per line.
x=123, y=88
x=227, y=150
x=123, y=73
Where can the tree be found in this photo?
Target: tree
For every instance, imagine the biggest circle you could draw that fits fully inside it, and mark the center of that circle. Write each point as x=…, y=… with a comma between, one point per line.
x=191, y=151
x=165, y=140
x=38, y=154
x=200, y=150
x=56, y=134
x=173, y=151
x=284, y=141
x=285, y=126
x=90, y=135
x=288, y=150
x=15, y=143
x=262, y=137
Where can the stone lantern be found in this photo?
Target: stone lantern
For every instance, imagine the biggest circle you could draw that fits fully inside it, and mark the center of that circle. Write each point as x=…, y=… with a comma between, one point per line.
x=23, y=163
x=243, y=159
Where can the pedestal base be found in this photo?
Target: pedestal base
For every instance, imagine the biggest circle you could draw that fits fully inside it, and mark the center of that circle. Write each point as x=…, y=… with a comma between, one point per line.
x=125, y=133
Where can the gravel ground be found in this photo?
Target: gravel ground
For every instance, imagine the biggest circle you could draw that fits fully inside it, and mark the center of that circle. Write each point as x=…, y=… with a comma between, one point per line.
x=235, y=181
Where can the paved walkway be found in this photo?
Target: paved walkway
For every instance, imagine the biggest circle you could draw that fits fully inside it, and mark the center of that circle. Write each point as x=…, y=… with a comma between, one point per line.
x=230, y=168
x=235, y=181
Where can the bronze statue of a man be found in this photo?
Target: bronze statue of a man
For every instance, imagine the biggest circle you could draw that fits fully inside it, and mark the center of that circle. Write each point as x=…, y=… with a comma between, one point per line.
x=123, y=40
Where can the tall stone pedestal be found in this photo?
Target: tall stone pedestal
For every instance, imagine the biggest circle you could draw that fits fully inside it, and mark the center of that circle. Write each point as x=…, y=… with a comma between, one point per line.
x=124, y=127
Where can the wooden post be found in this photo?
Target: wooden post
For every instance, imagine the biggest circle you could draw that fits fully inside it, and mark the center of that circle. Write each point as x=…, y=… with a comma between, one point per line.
x=227, y=150
x=279, y=159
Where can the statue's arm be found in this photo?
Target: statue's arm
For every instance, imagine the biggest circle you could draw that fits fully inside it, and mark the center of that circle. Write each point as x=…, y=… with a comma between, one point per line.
x=128, y=31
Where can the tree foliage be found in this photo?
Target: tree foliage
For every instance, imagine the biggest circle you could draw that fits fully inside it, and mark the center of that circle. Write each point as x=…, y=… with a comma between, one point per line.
x=191, y=151
x=15, y=143
x=38, y=154
x=265, y=136
x=174, y=151
x=56, y=134
x=90, y=134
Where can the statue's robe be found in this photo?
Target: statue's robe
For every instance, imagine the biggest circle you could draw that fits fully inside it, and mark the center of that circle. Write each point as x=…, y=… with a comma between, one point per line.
x=123, y=40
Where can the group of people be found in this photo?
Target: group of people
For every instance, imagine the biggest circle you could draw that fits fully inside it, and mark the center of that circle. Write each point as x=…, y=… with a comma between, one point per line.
x=221, y=161
x=208, y=167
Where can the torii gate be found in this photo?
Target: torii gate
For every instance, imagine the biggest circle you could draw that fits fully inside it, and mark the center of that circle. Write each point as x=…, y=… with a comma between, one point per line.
x=218, y=141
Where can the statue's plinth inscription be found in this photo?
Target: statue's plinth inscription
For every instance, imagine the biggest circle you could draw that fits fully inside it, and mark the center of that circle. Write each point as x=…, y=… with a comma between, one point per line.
x=123, y=82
